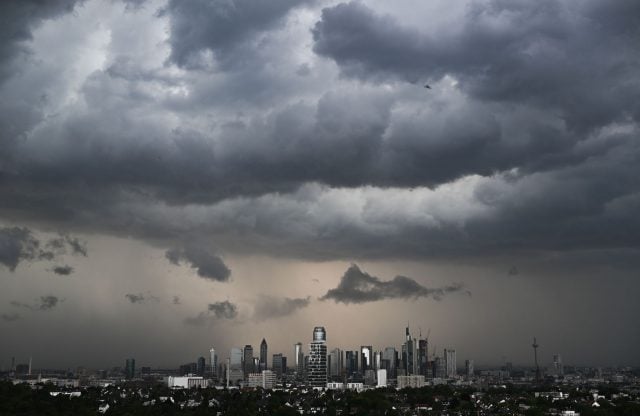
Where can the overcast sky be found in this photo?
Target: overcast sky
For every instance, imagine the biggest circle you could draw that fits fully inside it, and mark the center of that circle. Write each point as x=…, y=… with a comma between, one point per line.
x=179, y=175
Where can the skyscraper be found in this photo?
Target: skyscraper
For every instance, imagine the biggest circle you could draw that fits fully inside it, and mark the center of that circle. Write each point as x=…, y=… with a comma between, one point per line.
x=377, y=360
x=235, y=372
x=201, y=362
x=336, y=364
x=248, y=360
x=366, y=357
x=263, y=355
x=277, y=365
x=558, y=368
x=389, y=360
x=213, y=362
x=422, y=357
x=450, y=363
x=130, y=368
x=317, y=372
x=469, y=370
x=351, y=363
x=299, y=360
x=409, y=353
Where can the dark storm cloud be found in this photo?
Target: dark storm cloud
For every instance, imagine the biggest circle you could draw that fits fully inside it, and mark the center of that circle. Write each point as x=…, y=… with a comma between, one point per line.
x=45, y=303
x=357, y=286
x=269, y=307
x=76, y=246
x=543, y=106
x=577, y=58
x=223, y=310
x=19, y=18
x=65, y=270
x=67, y=244
x=135, y=297
x=208, y=264
x=19, y=244
x=48, y=302
x=218, y=26
x=215, y=312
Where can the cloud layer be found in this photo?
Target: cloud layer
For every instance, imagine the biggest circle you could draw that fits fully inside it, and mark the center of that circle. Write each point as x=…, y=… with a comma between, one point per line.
x=357, y=286
x=19, y=244
x=45, y=303
x=207, y=264
x=213, y=134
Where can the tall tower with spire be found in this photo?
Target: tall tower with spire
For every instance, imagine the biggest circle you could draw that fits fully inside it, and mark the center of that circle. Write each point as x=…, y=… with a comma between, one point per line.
x=409, y=353
x=535, y=358
x=263, y=355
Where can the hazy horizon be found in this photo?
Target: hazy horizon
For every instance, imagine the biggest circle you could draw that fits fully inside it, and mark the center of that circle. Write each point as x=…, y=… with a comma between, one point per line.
x=180, y=175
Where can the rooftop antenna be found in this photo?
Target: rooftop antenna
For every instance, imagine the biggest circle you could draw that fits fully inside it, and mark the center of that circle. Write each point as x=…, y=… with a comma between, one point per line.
x=535, y=357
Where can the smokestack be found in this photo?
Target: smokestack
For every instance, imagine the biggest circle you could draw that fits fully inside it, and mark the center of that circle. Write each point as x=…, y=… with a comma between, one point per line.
x=30, y=359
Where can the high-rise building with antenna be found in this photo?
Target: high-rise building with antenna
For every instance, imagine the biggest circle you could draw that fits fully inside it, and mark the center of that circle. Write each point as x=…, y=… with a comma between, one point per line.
x=409, y=353
x=535, y=358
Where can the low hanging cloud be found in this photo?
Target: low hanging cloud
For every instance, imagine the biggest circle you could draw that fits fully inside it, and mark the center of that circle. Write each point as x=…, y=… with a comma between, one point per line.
x=208, y=265
x=19, y=244
x=65, y=270
x=268, y=307
x=48, y=302
x=357, y=286
x=10, y=317
x=141, y=298
x=135, y=298
x=215, y=311
x=67, y=243
x=223, y=310
x=45, y=303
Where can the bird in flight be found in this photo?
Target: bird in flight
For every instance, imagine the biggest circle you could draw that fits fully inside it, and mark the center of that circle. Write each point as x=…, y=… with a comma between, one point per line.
x=427, y=86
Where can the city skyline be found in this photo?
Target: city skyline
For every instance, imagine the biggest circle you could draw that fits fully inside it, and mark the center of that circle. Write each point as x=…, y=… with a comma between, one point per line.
x=412, y=363
x=176, y=176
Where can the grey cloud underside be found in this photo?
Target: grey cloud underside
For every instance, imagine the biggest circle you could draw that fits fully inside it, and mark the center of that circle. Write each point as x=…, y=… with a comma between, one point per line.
x=357, y=286
x=135, y=298
x=19, y=18
x=544, y=108
x=63, y=270
x=220, y=27
x=215, y=312
x=19, y=244
x=269, y=307
x=576, y=57
x=45, y=303
x=208, y=265
x=223, y=310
